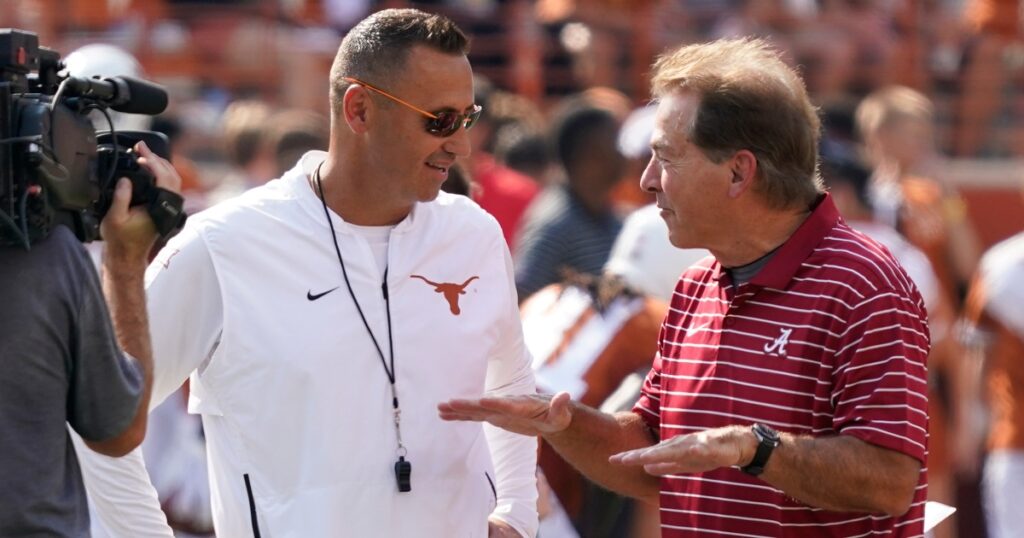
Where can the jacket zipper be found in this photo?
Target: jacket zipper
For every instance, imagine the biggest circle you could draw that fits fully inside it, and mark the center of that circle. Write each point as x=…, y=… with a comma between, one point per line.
x=494, y=490
x=252, y=507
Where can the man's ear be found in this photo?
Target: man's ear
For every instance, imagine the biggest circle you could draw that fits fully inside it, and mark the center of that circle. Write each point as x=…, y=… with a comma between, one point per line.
x=744, y=171
x=355, y=108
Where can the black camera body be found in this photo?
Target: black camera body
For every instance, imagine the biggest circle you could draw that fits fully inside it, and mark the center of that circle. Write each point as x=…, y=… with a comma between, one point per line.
x=55, y=168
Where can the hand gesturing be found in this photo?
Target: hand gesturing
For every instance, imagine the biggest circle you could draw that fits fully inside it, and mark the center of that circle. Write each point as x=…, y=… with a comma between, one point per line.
x=532, y=414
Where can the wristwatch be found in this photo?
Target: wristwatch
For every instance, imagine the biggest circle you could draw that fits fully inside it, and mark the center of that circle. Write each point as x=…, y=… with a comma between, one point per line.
x=767, y=440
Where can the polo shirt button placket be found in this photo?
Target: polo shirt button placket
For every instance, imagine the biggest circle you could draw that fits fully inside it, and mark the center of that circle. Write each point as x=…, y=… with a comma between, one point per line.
x=734, y=305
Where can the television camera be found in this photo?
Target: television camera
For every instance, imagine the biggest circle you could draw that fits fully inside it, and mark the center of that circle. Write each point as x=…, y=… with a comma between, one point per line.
x=55, y=167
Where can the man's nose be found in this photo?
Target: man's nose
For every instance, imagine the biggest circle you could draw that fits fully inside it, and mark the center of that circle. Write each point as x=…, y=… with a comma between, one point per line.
x=650, y=179
x=458, y=144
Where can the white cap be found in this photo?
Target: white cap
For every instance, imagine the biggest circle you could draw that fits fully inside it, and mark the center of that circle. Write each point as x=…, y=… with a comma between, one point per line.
x=102, y=60
x=635, y=133
x=645, y=258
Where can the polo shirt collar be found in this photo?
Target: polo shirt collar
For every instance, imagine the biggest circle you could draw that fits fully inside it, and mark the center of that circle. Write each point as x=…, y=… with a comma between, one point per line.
x=788, y=258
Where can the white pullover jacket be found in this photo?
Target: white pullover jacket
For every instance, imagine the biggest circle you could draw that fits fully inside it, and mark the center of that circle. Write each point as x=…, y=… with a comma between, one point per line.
x=295, y=402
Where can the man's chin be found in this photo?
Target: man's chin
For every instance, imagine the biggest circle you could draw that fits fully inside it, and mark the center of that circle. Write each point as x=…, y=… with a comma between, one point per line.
x=680, y=240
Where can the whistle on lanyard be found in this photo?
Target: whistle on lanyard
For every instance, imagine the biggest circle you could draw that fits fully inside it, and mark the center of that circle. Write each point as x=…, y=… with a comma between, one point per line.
x=403, y=475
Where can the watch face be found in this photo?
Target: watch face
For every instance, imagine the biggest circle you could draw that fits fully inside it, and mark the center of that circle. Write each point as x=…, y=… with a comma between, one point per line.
x=767, y=440
x=764, y=433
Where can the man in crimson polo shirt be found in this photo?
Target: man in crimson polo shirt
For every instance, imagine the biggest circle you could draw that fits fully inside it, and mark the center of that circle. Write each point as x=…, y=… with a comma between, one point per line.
x=788, y=393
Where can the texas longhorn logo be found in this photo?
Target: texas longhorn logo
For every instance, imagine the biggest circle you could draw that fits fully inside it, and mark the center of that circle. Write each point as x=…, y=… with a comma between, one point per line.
x=450, y=290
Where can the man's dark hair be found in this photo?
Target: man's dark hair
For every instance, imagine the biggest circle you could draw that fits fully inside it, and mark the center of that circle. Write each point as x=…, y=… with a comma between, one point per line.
x=293, y=132
x=573, y=129
x=522, y=149
x=840, y=165
x=376, y=48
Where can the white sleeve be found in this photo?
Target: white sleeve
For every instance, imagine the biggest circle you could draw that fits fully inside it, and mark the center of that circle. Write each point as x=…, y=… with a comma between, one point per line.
x=184, y=305
x=514, y=455
x=185, y=311
x=175, y=456
x=1002, y=274
x=126, y=504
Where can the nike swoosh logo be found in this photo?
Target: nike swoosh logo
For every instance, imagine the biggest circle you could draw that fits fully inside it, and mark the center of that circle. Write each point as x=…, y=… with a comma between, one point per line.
x=690, y=331
x=311, y=297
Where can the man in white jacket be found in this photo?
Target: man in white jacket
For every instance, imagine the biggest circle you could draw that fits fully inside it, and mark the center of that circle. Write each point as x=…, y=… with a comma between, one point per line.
x=323, y=316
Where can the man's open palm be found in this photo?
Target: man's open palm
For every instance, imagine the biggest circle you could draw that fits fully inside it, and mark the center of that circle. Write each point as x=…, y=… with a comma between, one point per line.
x=534, y=414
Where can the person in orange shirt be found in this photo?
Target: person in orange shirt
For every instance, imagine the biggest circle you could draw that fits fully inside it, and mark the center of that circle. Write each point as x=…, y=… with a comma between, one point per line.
x=995, y=333
x=897, y=127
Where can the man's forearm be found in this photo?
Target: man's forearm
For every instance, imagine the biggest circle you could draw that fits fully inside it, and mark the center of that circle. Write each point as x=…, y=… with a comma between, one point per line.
x=843, y=473
x=125, y=293
x=593, y=436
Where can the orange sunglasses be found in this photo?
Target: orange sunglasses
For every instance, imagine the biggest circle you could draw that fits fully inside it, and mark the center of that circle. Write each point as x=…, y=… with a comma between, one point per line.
x=441, y=124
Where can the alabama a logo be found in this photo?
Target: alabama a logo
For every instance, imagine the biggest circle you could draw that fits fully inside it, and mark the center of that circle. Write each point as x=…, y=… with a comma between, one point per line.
x=778, y=346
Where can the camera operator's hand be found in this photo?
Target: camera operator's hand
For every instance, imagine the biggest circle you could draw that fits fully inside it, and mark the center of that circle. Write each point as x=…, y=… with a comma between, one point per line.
x=130, y=234
x=129, y=231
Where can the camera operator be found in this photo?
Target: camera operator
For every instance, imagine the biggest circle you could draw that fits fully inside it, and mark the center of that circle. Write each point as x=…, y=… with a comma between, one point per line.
x=62, y=361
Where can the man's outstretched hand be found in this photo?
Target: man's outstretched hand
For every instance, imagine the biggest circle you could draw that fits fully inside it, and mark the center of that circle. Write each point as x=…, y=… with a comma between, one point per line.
x=532, y=414
x=694, y=453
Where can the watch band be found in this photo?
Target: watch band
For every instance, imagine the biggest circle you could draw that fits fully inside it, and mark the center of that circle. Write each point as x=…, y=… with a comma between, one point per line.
x=767, y=441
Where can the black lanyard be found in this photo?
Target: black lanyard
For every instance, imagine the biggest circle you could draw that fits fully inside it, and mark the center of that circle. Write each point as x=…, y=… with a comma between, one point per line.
x=403, y=468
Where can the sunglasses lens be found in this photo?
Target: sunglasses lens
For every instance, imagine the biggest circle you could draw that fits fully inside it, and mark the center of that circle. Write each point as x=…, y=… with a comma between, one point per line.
x=472, y=117
x=445, y=124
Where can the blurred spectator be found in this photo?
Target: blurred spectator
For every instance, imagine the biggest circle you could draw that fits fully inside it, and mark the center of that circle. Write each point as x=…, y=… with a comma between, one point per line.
x=501, y=109
x=995, y=335
x=502, y=192
x=837, y=121
x=626, y=195
x=608, y=98
x=191, y=188
x=524, y=150
x=869, y=29
x=586, y=335
x=994, y=49
x=291, y=133
x=571, y=225
x=634, y=144
x=245, y=125
x=263, y=144
x=908, y=191
x=597, y=35
x=827, y=52
x=344, y=14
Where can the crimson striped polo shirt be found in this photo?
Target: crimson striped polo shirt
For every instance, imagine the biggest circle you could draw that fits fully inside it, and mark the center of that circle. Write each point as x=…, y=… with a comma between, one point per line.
x=830, y=337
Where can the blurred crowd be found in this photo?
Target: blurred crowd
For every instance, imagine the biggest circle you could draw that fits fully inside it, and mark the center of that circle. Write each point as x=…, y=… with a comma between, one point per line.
x=905, y=87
